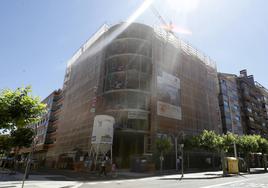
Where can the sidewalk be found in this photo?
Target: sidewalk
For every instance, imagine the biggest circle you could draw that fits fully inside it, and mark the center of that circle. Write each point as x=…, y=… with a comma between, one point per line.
x=6, y=175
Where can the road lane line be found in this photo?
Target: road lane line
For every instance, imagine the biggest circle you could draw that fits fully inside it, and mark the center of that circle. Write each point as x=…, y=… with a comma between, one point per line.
x=78, y=185
x=222, y=184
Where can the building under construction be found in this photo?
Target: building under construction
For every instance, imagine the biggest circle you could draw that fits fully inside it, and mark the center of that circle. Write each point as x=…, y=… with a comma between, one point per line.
x=152, y=83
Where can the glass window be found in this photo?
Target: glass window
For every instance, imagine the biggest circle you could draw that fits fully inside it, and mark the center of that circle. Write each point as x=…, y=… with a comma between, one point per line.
x=133, y=46
x=115, y=100
x=143, y=102
x=145, y=82
x=235, y=107
x=134, y=63
x=132, y=80
x=146, y=65
x=137, y=124
x=237, y=118
x=132, y=100
x=116, y=81
x=225, y=103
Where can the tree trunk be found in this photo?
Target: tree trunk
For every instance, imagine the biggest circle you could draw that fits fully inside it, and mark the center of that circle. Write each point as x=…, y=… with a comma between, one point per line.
x=15, y=160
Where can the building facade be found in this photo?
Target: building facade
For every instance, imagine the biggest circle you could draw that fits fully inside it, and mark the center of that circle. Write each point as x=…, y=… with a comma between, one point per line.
x=230, y=104
x=152, y=83
x=243, y=104
x=46, y=129
x=253, y=103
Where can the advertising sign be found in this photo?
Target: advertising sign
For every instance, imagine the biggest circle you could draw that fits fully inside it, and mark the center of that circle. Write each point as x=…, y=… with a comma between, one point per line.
x=168, y=110
x=168, y=92
x=137, y=115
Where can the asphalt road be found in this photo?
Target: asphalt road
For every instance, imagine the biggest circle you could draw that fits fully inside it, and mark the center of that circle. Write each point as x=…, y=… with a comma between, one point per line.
x=246, y=181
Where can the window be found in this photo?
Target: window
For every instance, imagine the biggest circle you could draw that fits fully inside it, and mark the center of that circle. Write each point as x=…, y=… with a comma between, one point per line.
x=137, y=124
x=132, y=80
x=225, y=103
x=237, y=118
x=145, y=82
x=145, y=65
x=235, y=107
x=132, y=100
x=116, y=64
x=134, y=63
x=116, y=81
x=251, y=119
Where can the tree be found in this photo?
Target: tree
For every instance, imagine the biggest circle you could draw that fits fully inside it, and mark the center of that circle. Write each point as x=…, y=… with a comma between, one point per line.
x=22, y=137
x=163, y=146
x=213, y=142
x=210, y=141
x=263, y=149
x=228, y=141
x=19, y=108
x=248, y=144
x=5, y=144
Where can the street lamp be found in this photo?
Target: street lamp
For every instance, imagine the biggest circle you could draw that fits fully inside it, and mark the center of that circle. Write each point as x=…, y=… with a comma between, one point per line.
x=181, y=133
x=182, y=160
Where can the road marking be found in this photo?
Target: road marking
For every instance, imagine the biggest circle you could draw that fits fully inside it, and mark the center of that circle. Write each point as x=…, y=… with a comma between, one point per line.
x=78, y=185
x=105, y=182
x=118, y=182
x=218, y=185
x=93, y=183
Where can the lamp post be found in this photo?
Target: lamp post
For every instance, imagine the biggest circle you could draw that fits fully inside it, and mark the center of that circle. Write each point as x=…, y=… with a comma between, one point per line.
x=176, y=136
x=29, y=161
x=182, y=160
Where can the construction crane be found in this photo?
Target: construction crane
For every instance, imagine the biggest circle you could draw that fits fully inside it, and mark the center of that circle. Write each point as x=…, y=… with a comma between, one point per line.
x=166, y=26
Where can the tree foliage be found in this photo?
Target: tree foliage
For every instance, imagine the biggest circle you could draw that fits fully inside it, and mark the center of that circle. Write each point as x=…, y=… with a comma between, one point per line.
x=228, y=140
x=163, y=145
x=22, y=137
x=248, y=143
x=262, y=145
x=209, y=140
x=5, y=143
x=19, y=108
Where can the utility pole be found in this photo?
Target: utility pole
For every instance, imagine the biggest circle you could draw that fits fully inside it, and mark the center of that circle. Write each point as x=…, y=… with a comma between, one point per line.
x=28, y=164
x=182, y=161
x=176, y=136
x=182, y=153
x=176, y=151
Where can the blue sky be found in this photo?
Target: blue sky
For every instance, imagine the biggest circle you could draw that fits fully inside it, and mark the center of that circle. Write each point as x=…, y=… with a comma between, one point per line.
x=38, y=37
